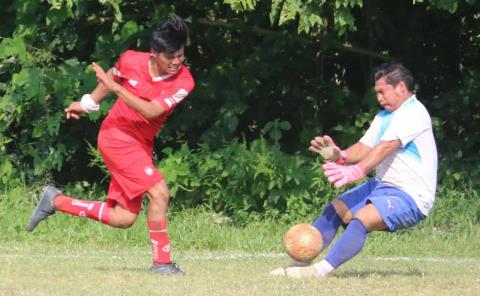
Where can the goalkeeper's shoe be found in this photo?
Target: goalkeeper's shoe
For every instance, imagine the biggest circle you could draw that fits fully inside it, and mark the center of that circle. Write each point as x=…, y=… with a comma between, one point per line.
x=281, y=271
x=320, y=269
x=166, y=269
x=303, y=272
x=44, y=208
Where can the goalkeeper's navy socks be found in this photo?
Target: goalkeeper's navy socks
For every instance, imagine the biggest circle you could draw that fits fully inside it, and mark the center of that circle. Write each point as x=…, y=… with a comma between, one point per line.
x=349, y=244
x=328, y=223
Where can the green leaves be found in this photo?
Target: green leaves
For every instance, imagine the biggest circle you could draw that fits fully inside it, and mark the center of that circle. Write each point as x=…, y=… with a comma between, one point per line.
x=12, y=49
x=274, y=130
x=289, y=11
x=448, y=5
x=281, y=71
x=241, y=5
x=244, y=181
x=311, y=15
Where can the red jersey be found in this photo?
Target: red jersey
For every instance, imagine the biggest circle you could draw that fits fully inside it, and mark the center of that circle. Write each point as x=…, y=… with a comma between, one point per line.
x=131, y=71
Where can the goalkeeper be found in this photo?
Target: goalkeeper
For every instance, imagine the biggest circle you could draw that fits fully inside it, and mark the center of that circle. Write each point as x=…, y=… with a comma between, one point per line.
x=400, y=145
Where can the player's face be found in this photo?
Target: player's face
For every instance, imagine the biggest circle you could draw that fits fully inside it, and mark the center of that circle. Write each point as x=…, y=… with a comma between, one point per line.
x=390, y=97
x=169, y=63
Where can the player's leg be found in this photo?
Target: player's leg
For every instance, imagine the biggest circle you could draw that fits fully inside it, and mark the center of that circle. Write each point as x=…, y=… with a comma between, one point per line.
x=335, y=214
x=351, y=242
x=347, y=246
x=340, y=210
x=387, y=208
x=159, y=197
x=52, y=200
x=121, y=217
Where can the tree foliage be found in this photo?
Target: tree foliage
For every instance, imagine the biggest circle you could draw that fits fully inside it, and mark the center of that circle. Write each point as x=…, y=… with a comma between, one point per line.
x=284, y=70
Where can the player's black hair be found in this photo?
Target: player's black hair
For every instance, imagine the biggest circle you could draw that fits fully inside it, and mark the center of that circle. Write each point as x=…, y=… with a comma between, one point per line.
x=170, y=35
x=394, y=73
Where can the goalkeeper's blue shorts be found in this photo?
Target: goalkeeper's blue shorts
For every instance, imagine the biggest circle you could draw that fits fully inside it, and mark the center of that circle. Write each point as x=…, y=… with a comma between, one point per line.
x=397, y=208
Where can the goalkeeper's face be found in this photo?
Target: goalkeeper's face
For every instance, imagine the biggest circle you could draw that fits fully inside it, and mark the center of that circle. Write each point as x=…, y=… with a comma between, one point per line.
x=391, y=97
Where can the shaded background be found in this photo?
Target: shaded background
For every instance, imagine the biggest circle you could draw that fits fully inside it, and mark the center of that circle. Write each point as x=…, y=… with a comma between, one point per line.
x=278, y=72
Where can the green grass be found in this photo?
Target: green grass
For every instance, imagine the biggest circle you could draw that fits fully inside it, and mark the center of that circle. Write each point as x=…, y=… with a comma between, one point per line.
x=73, y=256
x=48, y=269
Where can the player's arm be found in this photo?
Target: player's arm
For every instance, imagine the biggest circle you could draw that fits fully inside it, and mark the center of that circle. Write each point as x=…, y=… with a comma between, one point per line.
x=148, y=109
x=357, y=152
x=89, y=102
x=101, y=91
x=378, y=154
x=340, y=175
x=326, y=147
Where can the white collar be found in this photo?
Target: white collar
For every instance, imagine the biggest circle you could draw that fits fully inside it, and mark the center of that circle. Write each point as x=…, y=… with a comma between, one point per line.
x=161, y=77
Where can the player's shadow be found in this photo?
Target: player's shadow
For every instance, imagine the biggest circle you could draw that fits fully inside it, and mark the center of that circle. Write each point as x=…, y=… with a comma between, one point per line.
x=385, y=273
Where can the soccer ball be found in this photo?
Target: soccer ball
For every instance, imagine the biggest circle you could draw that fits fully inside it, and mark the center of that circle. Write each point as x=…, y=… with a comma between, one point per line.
x=303, y=242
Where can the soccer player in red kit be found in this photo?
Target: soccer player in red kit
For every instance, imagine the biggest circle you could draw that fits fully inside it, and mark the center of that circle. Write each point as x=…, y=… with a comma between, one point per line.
x=149, y=85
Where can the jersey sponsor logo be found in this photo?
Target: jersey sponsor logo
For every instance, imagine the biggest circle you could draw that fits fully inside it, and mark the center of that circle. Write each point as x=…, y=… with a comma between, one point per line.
x=82, y=204
x=133, y=82
x=148, y=171
x=169, y=102
x=116, y=72
x=176, y=98
x=180, y=95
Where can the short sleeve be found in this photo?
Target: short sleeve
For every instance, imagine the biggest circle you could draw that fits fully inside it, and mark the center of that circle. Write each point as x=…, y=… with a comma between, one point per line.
x=371, y=136
x=119, y=67
x=406, y=126
x=176, y=94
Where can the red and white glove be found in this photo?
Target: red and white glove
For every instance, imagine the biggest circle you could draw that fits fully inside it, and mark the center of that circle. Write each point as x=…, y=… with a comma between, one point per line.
x=341, y=175
x=328, y=149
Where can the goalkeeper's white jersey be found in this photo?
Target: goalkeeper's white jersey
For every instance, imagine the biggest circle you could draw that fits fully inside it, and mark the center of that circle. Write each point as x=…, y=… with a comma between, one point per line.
x=413, y=167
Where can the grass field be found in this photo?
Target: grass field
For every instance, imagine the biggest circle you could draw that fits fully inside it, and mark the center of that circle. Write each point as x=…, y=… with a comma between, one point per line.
x=43, y=269
x=59, y=259
x=71, y=256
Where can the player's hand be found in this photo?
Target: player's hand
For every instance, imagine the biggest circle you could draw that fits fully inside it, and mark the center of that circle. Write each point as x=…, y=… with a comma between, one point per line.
x=74, y=111
x=104, y=78
x=341, y=175
x=327, y=149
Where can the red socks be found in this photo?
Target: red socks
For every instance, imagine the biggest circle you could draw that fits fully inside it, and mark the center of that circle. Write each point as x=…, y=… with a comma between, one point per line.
x=99, y=211
x=160, y=242
x=95, y=210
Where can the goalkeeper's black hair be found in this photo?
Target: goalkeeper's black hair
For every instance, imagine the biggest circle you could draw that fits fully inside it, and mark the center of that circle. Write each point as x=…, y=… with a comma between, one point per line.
x=170, y=35
x=394, y=73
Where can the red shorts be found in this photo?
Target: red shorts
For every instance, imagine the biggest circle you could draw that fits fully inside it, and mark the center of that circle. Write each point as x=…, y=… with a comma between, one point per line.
x=130, y=164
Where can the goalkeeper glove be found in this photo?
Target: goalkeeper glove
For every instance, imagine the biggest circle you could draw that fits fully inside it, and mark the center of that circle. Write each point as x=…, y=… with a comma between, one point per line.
x=341, y=175
x=328, y=149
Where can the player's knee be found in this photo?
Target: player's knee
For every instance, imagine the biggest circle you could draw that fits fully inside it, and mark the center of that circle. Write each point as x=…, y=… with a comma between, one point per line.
x=125, y=222
x=342, y=210
x=159, y=202
x=120, y=218
x=159, y=195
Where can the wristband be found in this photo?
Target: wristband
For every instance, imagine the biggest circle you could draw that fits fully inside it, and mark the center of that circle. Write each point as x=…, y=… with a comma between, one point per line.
x=88, y=104
x=342, y=158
